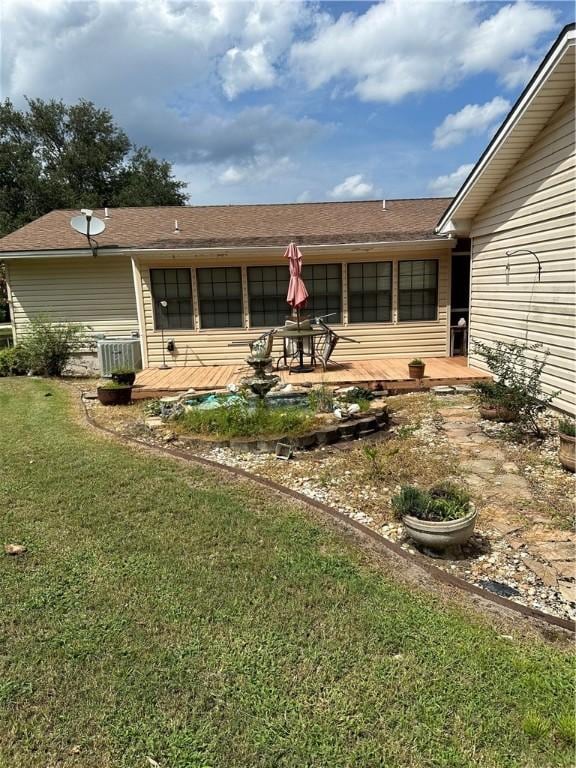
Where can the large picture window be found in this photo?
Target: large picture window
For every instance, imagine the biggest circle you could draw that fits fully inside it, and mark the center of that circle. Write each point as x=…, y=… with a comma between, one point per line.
x=324, y=284
x=175, y=288
x=267, y=289
x=370, y=292
x=220, y=297
x=417, y=290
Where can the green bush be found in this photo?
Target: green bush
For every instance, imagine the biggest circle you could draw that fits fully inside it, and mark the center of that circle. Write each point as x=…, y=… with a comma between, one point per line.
x=517, y=369
x=321, y=398
x=444, y=501
x=113, y=385
x=49, y=345
x=240, y=420
x=13, y=361
x=567, y=427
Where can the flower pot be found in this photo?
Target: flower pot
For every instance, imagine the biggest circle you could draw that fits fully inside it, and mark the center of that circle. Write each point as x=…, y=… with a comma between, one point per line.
x=443, y=533
x=416, y=371
x=497, y=413
x=115, y=396
x=567, y=451
x=124, y=378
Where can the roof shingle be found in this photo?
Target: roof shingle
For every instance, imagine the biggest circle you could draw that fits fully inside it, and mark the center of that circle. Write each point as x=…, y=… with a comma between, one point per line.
x=238, y=225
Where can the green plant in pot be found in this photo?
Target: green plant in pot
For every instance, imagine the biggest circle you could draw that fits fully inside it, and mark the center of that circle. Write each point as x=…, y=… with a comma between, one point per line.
x=438, y=518
x=124, y=375
x=567, y=448
x=516, y=394
x=416, y=368
x=113, y=393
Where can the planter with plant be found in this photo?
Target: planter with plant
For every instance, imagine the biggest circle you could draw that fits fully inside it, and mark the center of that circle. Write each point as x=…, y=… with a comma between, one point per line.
x=112, y=393
x=567, y=448
x=516, y=393
x=124, y=375
x=439, y=518
x=416, y=368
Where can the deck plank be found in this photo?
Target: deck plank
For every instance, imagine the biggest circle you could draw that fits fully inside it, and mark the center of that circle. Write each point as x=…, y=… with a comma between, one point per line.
x=153, y=382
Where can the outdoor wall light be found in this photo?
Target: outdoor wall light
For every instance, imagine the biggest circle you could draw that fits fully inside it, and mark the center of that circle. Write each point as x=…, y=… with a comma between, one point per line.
x=171, y=346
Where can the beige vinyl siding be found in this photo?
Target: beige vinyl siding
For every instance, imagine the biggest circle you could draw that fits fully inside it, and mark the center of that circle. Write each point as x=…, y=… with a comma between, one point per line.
x=212, y=347
x=96, y=291
x=533, y=208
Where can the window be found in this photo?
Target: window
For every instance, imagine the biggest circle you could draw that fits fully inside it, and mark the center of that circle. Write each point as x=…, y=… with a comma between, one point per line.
x=417, y=290
x=370, y=292
x=267, y=289
x=174, y=287
x=324, y=284
x=220, y=297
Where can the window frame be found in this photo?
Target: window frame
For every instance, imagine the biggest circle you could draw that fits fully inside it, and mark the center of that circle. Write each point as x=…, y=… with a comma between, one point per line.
x=213, y=298
x=308, y=281
x=280, y=271
x=160, y=326
x=434, y=319
x=390, y=291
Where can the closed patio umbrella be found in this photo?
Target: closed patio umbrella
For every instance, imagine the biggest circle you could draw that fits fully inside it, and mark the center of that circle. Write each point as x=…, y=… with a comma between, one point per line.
x=297, y=294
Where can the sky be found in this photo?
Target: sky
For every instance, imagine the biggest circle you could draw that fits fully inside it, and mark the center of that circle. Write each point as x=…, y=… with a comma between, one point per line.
x=286, y=100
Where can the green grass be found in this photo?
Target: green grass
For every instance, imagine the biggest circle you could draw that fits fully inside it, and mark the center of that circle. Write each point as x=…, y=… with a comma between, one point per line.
x=161, y=612
x=239, y=420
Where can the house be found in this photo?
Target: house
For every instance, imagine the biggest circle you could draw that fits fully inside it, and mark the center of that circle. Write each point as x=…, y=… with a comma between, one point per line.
x=377, y=268
x=518, y=207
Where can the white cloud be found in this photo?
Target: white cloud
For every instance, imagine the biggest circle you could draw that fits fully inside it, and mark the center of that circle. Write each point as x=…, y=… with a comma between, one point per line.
x=446, y=186
x=473, y=119
x=352, y=188
x=397, y=48
x=244, y=70
x=260, y=168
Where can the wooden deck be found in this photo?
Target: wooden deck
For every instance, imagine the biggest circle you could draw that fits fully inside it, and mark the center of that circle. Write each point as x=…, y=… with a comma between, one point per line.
x=387, y=373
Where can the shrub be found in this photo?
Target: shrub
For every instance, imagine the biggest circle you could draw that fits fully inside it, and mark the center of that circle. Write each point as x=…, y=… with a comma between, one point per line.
x=416, y=361
x=567, y=427
x=444, y=501
x=359, y=395
x=517, y=368
x=13, y=361
x=241, y=420
x=49, y=345
x=113, y=385
x=321, y=399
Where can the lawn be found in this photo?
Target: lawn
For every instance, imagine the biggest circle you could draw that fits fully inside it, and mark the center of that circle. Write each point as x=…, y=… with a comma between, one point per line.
x=163, y=613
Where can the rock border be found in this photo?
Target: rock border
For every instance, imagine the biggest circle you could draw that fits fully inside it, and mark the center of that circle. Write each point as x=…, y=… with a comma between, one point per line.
x=355, y=429
x=382, y=543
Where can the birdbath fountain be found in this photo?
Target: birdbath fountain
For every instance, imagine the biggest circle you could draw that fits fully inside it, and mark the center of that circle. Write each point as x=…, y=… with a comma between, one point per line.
x=261, y=383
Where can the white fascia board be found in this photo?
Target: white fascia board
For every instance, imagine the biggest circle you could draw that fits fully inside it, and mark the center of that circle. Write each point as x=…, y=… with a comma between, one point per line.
x=434, y=242
x=513, y=118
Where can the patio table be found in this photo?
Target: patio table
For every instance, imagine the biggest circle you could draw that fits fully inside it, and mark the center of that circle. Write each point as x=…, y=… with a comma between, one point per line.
x=299, y=334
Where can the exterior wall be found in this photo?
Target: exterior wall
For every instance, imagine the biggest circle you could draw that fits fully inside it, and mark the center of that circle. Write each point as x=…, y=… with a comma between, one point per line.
x=532, y=208
x=96, y=291
x=212, y=347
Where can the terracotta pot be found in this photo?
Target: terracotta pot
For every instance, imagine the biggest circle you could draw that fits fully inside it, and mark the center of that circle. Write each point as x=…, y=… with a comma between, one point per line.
x=117, y=396
x=567, y=451
x=497, y=413
x=416, y=371
x=440, y=534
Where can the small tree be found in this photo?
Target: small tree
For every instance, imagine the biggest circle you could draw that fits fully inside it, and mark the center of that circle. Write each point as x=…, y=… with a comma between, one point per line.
x=49, y=345
x=517, y=367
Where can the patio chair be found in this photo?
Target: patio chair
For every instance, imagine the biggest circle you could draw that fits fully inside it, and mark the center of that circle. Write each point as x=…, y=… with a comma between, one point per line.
x=326, y=344
x=291, y=351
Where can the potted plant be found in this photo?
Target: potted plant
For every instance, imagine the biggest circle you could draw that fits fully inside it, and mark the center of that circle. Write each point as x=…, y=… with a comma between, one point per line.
x=416, y=368
x=113, y=393
x=495, y=401
x=438, y=518
x=124, y=375
x=567, y=449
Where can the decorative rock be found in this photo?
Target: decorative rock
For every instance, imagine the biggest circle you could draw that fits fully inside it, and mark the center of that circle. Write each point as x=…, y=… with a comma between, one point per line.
x=504, y=590
x=567, y=590
x=463, y=389
x=171, y=399
x=154, y=422
x=544, y=572
x=554, y=550
x=14, y=549
x=90, y=395
x=443, y=390
x=565, y=570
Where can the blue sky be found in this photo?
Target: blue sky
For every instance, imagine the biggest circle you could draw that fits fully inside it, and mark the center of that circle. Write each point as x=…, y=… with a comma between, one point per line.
x=278, y=101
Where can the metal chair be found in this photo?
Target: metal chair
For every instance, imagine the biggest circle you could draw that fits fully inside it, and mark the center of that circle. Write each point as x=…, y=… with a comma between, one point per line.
x=261, y=348
x=326, y=344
